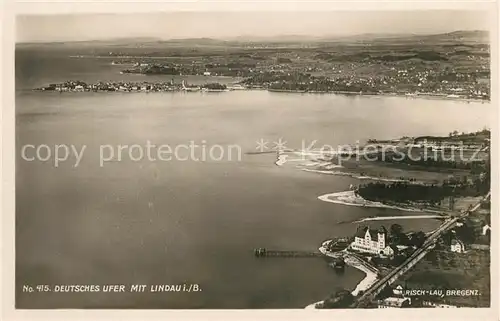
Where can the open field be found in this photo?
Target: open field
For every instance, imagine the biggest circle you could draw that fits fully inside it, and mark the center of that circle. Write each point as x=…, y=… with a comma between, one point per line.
x=449, y=271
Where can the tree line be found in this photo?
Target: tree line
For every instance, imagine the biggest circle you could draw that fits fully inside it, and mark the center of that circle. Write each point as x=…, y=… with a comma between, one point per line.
x=403, y=192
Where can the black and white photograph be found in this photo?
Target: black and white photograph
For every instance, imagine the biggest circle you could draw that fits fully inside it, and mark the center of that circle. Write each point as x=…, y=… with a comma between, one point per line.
x=187, y=160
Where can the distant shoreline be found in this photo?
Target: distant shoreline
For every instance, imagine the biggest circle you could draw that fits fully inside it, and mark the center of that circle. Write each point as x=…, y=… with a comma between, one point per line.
x=349, y=198
x=342, y=93
x=351, y=93
x=357, y=176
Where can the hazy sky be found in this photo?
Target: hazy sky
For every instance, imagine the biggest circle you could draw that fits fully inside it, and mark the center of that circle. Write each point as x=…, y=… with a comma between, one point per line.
x=232, y=24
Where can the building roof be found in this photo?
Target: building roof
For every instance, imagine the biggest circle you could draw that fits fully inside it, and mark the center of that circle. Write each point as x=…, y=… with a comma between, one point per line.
x=393, y=247
x=362, y=231
x=395, y=301
x=398, y=288
x=456, y=241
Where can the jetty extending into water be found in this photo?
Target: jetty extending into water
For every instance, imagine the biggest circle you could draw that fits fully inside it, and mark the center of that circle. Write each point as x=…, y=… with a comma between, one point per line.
x=337, y=263
x=262, y=252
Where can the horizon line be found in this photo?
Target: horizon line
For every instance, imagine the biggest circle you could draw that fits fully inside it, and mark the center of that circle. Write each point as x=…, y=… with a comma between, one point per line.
x=262, y=37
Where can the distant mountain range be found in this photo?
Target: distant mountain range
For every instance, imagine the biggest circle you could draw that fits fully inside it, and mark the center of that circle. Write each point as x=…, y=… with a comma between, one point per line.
x=465, y=34
x=462, y=35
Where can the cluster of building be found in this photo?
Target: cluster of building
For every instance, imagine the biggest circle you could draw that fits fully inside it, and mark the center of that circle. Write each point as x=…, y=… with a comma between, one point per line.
x=466, y=148
x=372, y=241
x=433, y=142
x=376, y=243
x=410, y=77
x=396, y=300
x=438, y=143
x=405, y=298
x=192, y=68
x=400, y=299
x=372, y=85
x=80, y=86
x=435, y=81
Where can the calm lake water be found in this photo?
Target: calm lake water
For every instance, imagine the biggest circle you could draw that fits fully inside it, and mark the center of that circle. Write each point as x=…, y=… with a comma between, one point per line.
x=176, y=222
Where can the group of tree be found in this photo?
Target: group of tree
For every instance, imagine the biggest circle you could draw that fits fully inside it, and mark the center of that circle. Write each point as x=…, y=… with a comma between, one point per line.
x=404, y=192
x=270, y=77
x=469, y=232
x=401, y=192
x=341, y=299
x=215, y=85
x=153, y=70
x=397, y=236
x=475, y=166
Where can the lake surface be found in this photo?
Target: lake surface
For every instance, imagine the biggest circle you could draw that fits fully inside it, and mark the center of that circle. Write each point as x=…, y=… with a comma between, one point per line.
x=194, y=222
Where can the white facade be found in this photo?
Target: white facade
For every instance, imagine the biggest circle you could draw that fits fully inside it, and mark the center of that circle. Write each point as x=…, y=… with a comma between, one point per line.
x=388, y=251
x=372, y=242
x=398, y=291
x=457, y=246
x=486, y=228
x=393, y=302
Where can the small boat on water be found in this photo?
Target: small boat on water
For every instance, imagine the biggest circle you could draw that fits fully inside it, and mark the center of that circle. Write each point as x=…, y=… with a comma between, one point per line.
x=260, y=252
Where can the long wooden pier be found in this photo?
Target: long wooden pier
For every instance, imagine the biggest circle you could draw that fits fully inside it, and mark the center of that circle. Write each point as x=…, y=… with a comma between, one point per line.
x=262, y=252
